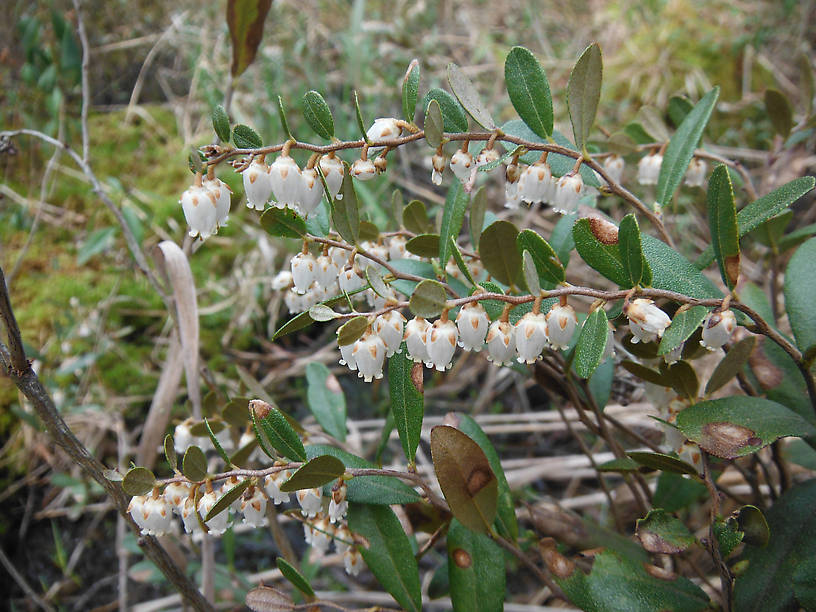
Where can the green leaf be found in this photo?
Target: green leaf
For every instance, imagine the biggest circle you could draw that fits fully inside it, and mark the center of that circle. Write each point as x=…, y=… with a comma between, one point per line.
x=460, y=262
x=410, y=90
x=530, y=273
x=283, y=222
x=681, y=147
x=351, y=330
x=465, y=477
x=662, y=462
x=318, y=114
x=661, y=533
x=753, y=523
x=468, y=97
x=547, y=264
x=138, y=481
x=216, y=444
x=245, y=137
x=675, y=492
x=453, y=115
x=376, y=282
x=683, y=379
x=631, y=251
x=774, y=578
x=434, y=126
x=366, y=489
x=762, y=209
x=731, y=364
x=737, y=426
x=596, y=241
x=245, y=19
x=506, y=523
x=722, y=222
x=478, y=207
x=673, y=272
x=476, y=570
x=452, y=217
x=779, y=112
x=619, y=583
x=529, y=90
x=682, y=326
x=591, y=343
x=800, y=295
x=584, y=93
x=361, y=125
x=644, y=373
x=194, y=464
x=283, y=120
x=806, y=82
x=428, y=299
x=170, y=452
x=415, y=218
x=96, y=242
x=388, y=554
x=679, y=107
x=407, y=400
x=226, y=500
x=297, y=579
x=220, y=123
x=315, y=473
x=728, y=535
x=325, y=399
x=501, y=262
x=281, y=435
x=345, y=212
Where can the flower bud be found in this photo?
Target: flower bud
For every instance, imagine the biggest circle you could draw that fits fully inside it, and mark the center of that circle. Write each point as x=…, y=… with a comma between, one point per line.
x=472, y=323
x=199, y=207
x=415, y=333
x=363, y=169
x=501, y=343
x=303, y=271
x=649, y=169
x=257, y=184
x=613, y=165
x=568, y=192
x=380, y=164
x=486, y=156
x=287, y=182
x=369, y=355
x=389, y=327
x=332, y=169
x=646, y=320
x=440, y=342
x=561, y=324
x=438, y=162
x=338, y=505
x=384, y=128
x=531, y=337
x=717, y=329
x=512, y=193
x=282, y=280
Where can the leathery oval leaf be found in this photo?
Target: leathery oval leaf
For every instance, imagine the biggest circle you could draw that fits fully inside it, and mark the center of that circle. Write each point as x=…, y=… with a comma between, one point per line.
x=138, y=481
x=351, y=330
x=226, y=499
x=465, y=476
x=428, y=299
x=498, y=257
x=291, y=573
x=529, y=90
x=315, y=473
x=318, y=114
x=584, y=92
x=194, y=464
x=660, y=532
x=476, y=570
x=468, y=97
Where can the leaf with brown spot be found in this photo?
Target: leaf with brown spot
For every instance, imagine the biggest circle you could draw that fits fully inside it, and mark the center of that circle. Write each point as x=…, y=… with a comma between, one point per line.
x=735, y=426
x=722, y=221
x=407, y=400
x=467, y=481
x=245, y=19
x=476, y=570
x=660, y=532
x=268, y=599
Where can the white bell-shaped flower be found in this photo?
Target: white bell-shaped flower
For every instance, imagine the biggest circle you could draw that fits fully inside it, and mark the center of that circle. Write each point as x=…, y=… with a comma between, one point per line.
x=176, y=493
x=390, y=327
x=257, y=184
x=253, y=506
x=717, y=329
x=352, y=561
x=646, y=320
x=343, y=540
x=472, y=323
x=396, y=247
x=229, y=483
x=501, y=343
x=649, y=169
x=182, y=438
x=217, y=525
x=287, y=182
x=531, y=337
x=674, y=355
x=332, y=169
x=189, y=516
x=138, y=513
x=363, y=169
x=350, y=281
x=536, y=183
x=347, y=357
x=222, y=192
x=339, y=256
x=462, y=164
x=696, y=173
x=613, y=165
x=568, y=191
x=384, y=128
x=272, y=484
x=440, y=343
x=311, y=502
x=415, y=333
x=438, y=162
x=303, y=271
x=198, y=205
x=338, y=505
x=293, y=301
x=312, y=191
x=321, y=536
x=282, y=280
x=512, y=184
x=159, y=515
x=369, y=355
x=326, y=271
x=486, y=156
x=561, y=324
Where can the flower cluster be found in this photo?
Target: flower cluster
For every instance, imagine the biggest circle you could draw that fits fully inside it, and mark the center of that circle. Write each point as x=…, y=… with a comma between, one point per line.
x=648, y=323
x=537, y=185
x=649, y=170
x=206, y=206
